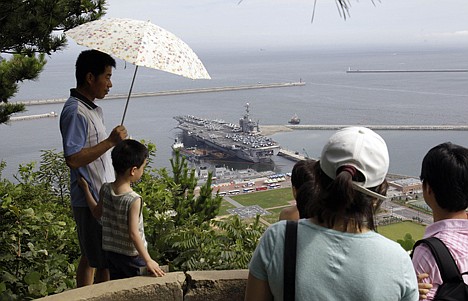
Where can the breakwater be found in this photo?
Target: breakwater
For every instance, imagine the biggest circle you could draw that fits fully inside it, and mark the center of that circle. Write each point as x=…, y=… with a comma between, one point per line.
x=398, y=127
x=176, y=92
x=405, y=71
x=37, y=116
x=292, y=155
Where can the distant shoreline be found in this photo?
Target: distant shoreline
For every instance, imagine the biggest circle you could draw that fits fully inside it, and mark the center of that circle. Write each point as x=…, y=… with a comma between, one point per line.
x=405, y=71
x=175, y=92
x=273, y=129
x=269, y=130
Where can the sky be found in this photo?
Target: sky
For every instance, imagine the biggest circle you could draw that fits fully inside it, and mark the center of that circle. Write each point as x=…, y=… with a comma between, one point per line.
x=271, y=24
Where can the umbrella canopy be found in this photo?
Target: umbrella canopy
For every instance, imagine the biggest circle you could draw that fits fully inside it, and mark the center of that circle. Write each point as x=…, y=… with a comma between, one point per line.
x=141, y=43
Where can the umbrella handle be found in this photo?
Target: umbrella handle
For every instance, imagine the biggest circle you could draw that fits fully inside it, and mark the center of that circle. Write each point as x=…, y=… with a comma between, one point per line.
x=129, y=93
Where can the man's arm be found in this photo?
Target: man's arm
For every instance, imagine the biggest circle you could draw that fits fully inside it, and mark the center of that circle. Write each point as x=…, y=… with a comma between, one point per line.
x=90, y=154
x=427, y=272
x=96, y=208
x=423, y=288
x=133, y=221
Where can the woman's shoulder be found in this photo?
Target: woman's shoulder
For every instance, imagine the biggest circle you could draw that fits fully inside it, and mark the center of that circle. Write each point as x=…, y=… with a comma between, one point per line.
x=388, y=246
x=275, y=232
x=277, y=226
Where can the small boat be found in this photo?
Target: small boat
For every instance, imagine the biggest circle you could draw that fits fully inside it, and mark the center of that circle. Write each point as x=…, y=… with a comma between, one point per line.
x=294, y=119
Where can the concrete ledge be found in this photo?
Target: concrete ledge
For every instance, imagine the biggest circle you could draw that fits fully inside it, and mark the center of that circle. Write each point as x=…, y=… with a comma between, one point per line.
x=216, y=285
x=177, y=286
x=167, y=288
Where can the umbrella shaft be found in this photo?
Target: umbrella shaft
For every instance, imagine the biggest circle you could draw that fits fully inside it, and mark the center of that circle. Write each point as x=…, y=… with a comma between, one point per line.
x=129, y=93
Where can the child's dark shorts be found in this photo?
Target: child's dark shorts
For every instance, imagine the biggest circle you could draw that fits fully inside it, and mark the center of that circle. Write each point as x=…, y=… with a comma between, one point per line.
x=123, y=266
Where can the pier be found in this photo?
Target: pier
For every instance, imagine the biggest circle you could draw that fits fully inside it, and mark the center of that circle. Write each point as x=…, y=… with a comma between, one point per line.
x=175, y=92
x=291, y=155
x=37, y=116
x=405, y=71
x=395, y=127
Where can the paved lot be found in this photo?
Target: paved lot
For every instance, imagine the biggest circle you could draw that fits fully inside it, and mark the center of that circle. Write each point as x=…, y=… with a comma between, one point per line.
x=249, y=211
x=405, y=213
x=392, y=208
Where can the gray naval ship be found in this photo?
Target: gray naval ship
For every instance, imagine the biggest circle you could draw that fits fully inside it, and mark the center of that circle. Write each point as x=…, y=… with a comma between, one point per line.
x=242, y=140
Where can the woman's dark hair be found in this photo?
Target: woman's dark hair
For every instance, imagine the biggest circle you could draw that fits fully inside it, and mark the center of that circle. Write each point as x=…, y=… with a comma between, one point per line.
x=445, y=169
x=302, y=172
x=335, y=202
x=93, y=61
x=127, y=154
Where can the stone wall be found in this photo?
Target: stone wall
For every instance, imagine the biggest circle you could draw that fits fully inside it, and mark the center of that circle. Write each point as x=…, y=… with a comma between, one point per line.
x=178, y=286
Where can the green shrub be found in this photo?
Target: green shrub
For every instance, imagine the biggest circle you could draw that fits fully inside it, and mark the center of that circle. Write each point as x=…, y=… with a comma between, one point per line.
x=38, y=242
x=39, y=249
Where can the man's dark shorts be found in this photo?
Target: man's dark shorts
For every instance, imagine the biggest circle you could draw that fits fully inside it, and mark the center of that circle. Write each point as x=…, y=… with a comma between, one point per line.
x=90, y=237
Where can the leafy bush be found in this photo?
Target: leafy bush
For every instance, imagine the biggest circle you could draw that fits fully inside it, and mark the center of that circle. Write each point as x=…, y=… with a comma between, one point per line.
x=39, y=249
x=37, y=243
x=218, y=245
x=179, y=224
x=407, y=242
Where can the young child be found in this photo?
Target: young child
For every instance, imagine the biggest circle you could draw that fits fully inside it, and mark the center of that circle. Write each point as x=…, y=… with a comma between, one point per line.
x=302, y=173
x=120, y=210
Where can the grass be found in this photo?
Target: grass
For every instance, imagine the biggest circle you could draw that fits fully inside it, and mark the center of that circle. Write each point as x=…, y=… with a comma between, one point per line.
x=266, y=199
x=274, y=216
x=398, y=231
x=225, y=206
x=281, y=198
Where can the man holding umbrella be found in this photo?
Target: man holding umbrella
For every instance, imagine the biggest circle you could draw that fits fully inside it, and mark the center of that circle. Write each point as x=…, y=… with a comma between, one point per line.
x=84, y=140
x=85, y=146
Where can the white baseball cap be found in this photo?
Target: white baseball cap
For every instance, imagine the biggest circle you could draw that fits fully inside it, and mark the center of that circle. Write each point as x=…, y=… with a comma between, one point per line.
x=362, y=149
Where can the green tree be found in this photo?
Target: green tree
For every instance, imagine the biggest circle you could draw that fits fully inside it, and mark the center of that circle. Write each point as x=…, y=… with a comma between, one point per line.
x=407, y=242
x=55, y=174
x=183, y=182
x=28, y=31
x=180, y=226
x=6, y=109
x=38, y=245
x=217, y=245
x=171, y=204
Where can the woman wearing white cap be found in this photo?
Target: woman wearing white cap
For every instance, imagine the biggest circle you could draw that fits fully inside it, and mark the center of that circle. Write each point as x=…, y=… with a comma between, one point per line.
x=339, y=256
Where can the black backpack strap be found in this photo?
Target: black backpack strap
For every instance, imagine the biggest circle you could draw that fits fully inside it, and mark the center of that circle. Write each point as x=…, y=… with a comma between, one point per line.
x=448, y=268
x=290, y=246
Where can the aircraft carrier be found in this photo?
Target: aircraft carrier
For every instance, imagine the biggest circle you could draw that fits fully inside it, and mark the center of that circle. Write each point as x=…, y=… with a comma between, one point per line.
x=242, y=140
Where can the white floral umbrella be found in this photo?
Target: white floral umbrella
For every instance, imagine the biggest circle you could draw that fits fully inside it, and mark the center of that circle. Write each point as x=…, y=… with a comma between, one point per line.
x=141, y=43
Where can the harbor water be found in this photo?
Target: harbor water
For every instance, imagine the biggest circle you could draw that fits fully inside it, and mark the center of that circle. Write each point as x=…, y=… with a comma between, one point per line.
x=330, y=96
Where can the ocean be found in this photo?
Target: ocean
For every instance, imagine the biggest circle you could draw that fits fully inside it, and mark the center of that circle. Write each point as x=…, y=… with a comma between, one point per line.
x=330, y=96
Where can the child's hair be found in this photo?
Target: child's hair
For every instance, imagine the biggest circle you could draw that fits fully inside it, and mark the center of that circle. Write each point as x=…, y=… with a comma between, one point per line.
x=302, y=173
x=127, y=154
x=445, y=169
x=93, y=61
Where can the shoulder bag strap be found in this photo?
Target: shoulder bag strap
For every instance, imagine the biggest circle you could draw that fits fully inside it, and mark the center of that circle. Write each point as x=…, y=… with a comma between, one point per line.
x=447, y=266
x=290, y=246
